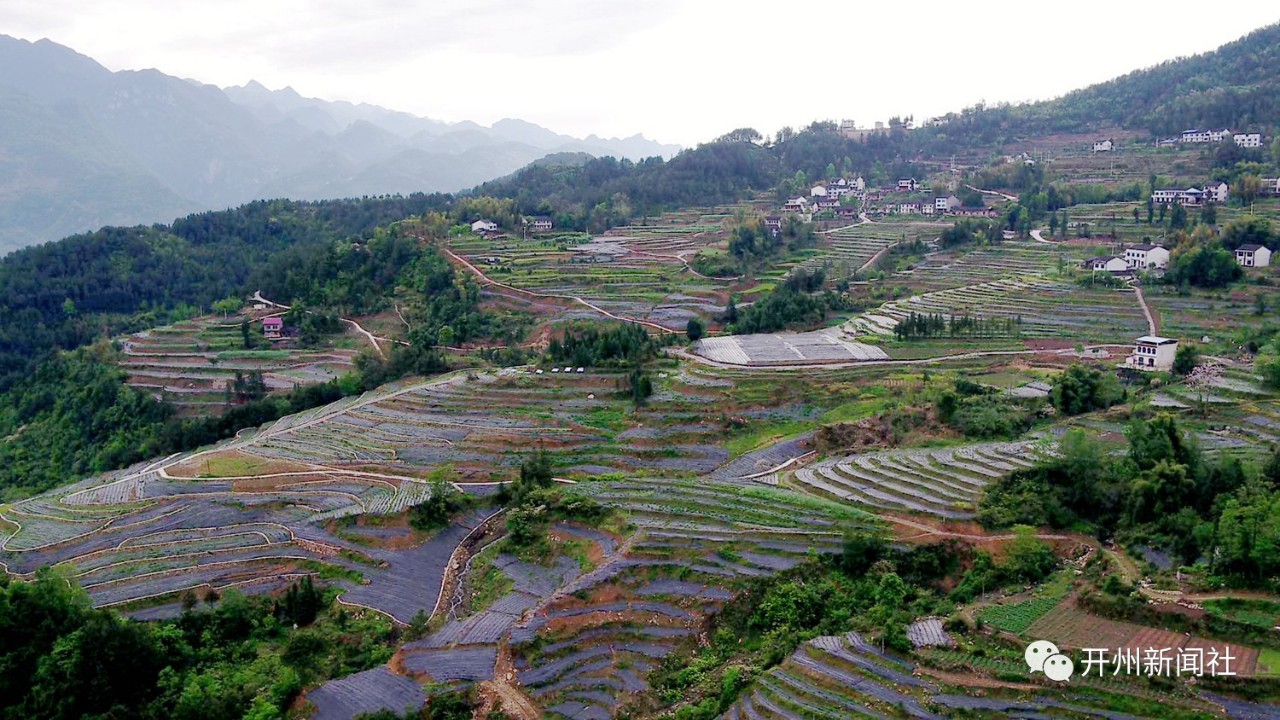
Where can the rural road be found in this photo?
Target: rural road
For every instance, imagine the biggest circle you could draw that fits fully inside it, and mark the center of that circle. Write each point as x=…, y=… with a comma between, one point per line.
x=373, y=339
x=1153, y=327
x=1011, y=198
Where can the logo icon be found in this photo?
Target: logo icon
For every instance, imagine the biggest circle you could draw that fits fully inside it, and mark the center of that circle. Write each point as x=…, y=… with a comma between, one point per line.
x=1043, y=656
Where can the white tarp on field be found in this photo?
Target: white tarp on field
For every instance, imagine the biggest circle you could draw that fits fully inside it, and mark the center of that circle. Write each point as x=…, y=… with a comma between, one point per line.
x=784, y=348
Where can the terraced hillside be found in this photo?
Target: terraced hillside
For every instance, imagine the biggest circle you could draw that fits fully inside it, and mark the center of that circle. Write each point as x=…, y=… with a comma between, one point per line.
x=845, y=250
x=638, y=272
x=946, y=482
x=1033, y=306
x=191, y=363
x=580, y=641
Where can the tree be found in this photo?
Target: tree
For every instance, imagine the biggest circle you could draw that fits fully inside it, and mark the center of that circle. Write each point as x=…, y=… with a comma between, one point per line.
x=1178, y=218
x=227, y=305
x=1247, y=188
x=731, y=312
x=695, y=329
x=1186, y=359
x=1027, y=558
x=744, y=135
x=1081, y=389
x=1209, y=214
x=1248, y=231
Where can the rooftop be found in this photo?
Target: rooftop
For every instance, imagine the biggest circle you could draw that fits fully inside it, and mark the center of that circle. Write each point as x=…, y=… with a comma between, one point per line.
x=1156, y=340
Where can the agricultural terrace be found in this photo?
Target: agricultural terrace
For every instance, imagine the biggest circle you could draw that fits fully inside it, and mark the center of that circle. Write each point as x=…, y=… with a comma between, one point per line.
x=190, y=363
x=844, y=251
x=637, y=272
x=842, y=676
x=1013, y=287
x=945, y=482
x=581, y=635
x=263, y=506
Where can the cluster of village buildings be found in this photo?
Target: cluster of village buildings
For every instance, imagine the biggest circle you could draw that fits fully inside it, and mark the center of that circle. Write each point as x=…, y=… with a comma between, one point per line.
x=901, y=199
x=532, y=223
x=1156, y=257
x=1191, y=137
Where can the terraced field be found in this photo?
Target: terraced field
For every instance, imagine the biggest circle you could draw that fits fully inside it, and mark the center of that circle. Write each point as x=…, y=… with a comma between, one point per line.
x=638, y=272
x=190, y=363
x=1035, y=307
x=581, y=640
x=946, y=482
x=844, y=251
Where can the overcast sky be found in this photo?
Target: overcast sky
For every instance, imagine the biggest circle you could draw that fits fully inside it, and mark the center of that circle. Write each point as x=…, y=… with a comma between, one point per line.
x=679, y=71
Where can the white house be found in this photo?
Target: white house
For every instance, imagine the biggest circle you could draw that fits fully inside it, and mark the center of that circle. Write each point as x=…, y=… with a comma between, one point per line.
x=483, y=226
x=1253, y=256
x=540, y=223
x=1219, y=135
x=1167, y=196
x=909, y=208
x=1107, y=263
x=1143, y=257
x=1248, y=140
x=818, y=191
x=796, y=205
x=908, y=185
x=1195, y=136
x=826, y=203
x=859, y=184
x=1217, y=192
x=1104, y=146
x=1153, y=353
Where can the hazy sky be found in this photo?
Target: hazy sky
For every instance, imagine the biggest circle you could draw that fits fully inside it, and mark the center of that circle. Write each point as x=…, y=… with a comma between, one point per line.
x=676, y=70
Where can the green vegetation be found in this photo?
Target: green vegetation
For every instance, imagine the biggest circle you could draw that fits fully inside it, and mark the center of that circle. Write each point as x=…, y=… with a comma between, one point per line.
x=62, y=659
x=1082, y=389
x=1017, y=617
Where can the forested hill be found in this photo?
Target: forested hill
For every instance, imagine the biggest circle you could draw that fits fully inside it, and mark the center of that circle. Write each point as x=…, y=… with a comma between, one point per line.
x=1235, y=86
x=68, y=293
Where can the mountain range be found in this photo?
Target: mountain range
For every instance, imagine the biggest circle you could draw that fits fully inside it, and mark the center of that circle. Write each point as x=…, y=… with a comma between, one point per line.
x=85, y=147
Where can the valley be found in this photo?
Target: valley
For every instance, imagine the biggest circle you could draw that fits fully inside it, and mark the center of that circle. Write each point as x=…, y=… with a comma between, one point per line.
x=847, y=423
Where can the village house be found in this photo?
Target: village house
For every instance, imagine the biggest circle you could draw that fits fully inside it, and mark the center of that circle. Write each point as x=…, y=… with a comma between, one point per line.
x=796, y=205
x=1151, y=352
x=974, y=211
x=773, y=222
x=858, y=184
x=846, y=212
x=818, y=191
x=908, y=185
x=1270, y=186
x=484, y=226
x=273, y=328
x=909, y=208
x=539, y=223
x=1167, y=196
x=1144, y=257
x=839, y=187
x=1106, y=263
x=1205, y=136
x=1248, y=140
x=929, y=209
x=1103, y=146
x=946, y=204
x=826, y=203
x=1217, y=192
x=1253, y=256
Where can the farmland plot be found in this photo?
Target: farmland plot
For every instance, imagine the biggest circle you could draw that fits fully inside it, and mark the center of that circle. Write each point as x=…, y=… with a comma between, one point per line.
x=190, y=363
x=1033, y=307
x=946, y=482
